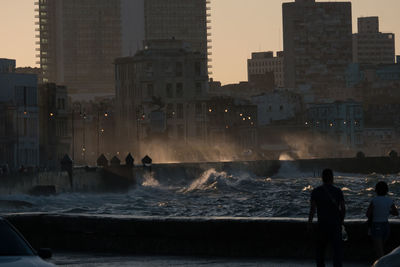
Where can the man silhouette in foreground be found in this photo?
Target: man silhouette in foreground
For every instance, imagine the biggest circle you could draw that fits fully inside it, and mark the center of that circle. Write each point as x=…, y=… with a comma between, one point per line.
x=328, y=201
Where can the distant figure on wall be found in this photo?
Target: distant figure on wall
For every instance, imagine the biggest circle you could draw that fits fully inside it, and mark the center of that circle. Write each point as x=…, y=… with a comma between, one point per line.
x=378, y=217
x=328, y=201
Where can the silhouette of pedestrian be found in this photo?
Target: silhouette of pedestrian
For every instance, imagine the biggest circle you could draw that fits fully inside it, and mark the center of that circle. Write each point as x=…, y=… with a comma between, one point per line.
x=328, y=201
x=378, y=215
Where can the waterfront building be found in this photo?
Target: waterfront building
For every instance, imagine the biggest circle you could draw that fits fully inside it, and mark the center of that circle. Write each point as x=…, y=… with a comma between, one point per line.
x=19, y=122
x=317, y=39
x=370, y=46
x=232, y=127
x=379, y=141
x=279, y=105
x=264, y=62
x=93, y=128
x=54, y=121
x=339, y=123
x=157, y=96
x=79, y=40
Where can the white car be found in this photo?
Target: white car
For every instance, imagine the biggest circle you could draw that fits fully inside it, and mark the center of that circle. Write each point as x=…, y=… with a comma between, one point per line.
x=15, y=251
x=390, y=260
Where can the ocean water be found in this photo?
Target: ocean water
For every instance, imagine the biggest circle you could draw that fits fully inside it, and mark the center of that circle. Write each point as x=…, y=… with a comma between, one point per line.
x=213, y=193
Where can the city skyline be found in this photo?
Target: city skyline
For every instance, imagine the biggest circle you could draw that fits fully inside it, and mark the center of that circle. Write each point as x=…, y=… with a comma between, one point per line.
x=260, y=29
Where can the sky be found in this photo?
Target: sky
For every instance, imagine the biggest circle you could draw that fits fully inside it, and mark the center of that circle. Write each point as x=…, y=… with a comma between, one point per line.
x=239, y=27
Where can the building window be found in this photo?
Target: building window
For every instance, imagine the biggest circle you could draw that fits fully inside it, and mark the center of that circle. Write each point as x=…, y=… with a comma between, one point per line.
x=179, y=111
x=197, y=68
x=150, y=90
x=198, y=90
x=198, y=109
x=170, y=111
x=179, y=69
x=179, y=90
x=180, y=131
x=168, y=90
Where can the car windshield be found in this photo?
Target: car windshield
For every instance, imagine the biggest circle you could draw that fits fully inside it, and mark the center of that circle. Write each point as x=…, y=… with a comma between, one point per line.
x=11, y=244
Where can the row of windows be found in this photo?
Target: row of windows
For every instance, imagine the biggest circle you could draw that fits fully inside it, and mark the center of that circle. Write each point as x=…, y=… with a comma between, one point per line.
x=171, y=93
x=264, y=63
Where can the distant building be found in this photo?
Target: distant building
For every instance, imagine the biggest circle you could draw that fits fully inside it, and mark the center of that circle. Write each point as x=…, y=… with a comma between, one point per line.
x=30, y=70
x=277, y=106
x=54, y=121
x=93, y=129
x=7, y=65
x=379, y=141
x=232, y=123
x=370, y=46
x=339, y=123
x=264, y=62
x=259, y=84
x=19, y=122
x=376, y=75
x=157, y=94
x=317, y=39
x=79, y=40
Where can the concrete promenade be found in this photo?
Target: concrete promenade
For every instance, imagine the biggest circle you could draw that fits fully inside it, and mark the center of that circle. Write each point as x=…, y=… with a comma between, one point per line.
x=102, y=260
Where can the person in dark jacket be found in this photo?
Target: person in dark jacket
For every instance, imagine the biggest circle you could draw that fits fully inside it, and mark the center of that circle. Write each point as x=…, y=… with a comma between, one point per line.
x=328, y=201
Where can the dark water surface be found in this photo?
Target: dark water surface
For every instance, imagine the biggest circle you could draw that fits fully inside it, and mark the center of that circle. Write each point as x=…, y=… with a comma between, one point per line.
x=214, y=194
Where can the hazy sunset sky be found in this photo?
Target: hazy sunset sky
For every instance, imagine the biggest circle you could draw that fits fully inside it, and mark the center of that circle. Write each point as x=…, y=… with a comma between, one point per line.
x=239, y=28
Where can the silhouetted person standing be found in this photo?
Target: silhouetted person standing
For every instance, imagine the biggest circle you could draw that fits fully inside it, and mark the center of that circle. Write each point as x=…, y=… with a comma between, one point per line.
x=378, y=213
x=328, y=201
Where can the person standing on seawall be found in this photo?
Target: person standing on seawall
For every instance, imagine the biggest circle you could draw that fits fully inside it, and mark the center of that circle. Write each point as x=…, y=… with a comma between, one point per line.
x=378, y=214
x=328, y=201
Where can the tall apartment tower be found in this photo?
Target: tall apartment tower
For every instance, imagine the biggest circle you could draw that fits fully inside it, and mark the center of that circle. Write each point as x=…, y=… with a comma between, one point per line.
x=179, y=19
x=317, y=40
x=80, y=39
x=78, y=42
x=370, y=46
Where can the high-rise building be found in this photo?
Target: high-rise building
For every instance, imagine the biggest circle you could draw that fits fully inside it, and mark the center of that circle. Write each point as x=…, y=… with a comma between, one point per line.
x=180, y=19
x=370, y=46
x=317, y=40
x=263, y=62
x=78, y=42
x=79, y=39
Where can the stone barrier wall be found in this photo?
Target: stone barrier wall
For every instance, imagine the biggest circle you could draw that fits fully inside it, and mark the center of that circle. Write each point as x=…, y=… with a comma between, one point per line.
x=231, y=237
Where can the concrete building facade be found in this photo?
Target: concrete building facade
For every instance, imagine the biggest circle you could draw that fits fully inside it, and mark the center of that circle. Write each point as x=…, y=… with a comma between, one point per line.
x=317, y=39
x=19, y=120
x=54, y=120
x=158, y=93
x=340, y=123
x=182, y=20
x=78, y=42
x=263, y=62
x=277, y=106
x=370, y=46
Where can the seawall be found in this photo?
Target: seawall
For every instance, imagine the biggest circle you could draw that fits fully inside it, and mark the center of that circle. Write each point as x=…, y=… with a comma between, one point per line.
x=230, y=237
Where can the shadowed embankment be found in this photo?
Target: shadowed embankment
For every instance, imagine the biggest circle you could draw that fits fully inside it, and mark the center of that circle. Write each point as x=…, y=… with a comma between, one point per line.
x=231, y=237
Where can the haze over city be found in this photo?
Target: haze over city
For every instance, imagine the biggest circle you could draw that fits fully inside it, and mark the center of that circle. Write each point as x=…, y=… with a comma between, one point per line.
x=238, y=28
x=199, y=132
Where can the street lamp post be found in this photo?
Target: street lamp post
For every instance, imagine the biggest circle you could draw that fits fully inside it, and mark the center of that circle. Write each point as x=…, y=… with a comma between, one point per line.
x=98, y=129
x=73, y=127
